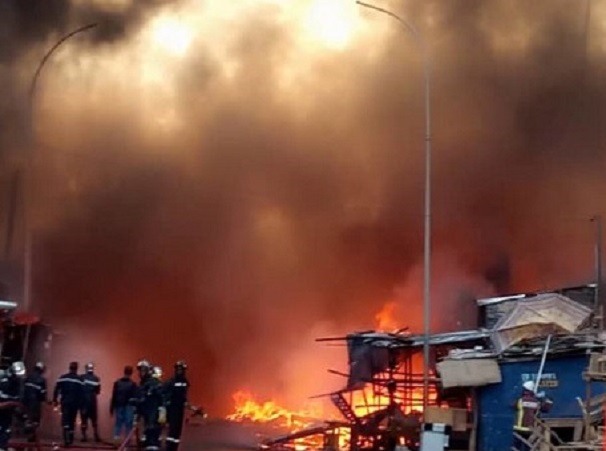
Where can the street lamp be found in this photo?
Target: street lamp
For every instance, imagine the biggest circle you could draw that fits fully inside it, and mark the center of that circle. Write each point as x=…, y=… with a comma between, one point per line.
x=427, y=215
x=27, y=276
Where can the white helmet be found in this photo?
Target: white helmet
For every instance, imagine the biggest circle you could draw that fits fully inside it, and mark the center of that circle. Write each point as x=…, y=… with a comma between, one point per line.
x=157, y=372
x=528, y=385
x=18, y=369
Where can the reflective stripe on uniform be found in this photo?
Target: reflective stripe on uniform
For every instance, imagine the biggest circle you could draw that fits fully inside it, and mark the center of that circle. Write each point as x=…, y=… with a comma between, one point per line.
x=172, y=439
x=75, y=381
x=91, y=383
x=7, y=396
x=180, y=384
x=32, y=385
x=518, y=426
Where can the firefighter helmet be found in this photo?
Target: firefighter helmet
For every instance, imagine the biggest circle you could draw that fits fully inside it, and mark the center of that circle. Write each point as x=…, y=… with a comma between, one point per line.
x=528, y=385
x=143, y=364
x=181, y=364
x=17, y=369
x=89, y=367
x=157, y=372
x=40, y=366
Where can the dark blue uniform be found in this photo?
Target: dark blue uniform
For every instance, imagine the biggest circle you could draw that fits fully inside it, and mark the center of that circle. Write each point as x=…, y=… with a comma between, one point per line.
x=91, y=388
x=175, y=392
x=34, y=395
x=69, y=390
x=150, y=402
x=10, y=391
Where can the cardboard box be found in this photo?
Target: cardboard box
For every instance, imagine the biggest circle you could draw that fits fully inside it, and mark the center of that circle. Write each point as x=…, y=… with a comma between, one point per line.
x=455, y=418
x=469, y=372
x=597, y=363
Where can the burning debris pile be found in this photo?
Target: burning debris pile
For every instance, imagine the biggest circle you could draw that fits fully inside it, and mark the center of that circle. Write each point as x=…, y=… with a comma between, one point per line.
x=381, y=404
x=247, y=408
x=383, y=393
x=281, y=420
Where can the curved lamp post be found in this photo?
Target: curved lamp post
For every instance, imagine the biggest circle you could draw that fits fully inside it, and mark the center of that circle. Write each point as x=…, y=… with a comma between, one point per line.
x=27, y=276
x=427, y=214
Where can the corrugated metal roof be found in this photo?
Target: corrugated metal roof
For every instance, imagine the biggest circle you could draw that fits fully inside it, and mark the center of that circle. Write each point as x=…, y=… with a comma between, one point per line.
x=386, y=340
x=498, y=299
x=548, y=313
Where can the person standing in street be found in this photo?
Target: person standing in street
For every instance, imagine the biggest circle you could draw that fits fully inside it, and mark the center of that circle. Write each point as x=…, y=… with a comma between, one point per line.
x=150, y=407
x=124, y=393
x=68, y=391
x=34, y=397
x=175, y=392
x=88, y=410
x=10, y=401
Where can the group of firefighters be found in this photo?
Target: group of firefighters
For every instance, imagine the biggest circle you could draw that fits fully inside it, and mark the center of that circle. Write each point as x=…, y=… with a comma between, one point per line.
x=150, y=403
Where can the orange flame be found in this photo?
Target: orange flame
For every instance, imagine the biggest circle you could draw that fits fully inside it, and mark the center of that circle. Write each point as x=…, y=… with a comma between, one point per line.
x=247, y=408
x=365, y=401
x=385, y=320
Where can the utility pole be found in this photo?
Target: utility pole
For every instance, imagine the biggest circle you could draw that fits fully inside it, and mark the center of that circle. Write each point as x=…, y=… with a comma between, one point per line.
x=598, y=308
x=28, y=168
x=424, y=51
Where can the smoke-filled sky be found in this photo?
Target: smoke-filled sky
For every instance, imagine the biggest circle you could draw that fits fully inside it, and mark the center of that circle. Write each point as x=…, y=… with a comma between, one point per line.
x=225, y=181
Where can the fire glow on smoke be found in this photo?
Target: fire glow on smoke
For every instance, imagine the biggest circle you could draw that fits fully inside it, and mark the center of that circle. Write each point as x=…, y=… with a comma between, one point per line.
x=259, y=161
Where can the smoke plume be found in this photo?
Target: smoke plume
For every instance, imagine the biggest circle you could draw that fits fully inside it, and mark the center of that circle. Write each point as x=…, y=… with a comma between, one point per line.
x=221, y=181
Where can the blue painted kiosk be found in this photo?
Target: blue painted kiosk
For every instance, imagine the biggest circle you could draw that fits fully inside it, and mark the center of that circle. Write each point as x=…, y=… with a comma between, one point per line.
x=562, y=381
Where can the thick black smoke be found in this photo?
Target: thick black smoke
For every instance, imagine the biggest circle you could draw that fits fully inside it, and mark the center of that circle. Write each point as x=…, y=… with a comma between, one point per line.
x=217, y=207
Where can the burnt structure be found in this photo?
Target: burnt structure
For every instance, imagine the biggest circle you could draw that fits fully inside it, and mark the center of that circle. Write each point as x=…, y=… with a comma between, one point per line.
x=381, y=403
x=382, y=399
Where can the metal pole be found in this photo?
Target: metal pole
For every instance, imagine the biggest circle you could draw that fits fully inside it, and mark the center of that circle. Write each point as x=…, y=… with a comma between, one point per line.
x=598, y=308
x=427, y=210
x=27, y=187
x=542, y=365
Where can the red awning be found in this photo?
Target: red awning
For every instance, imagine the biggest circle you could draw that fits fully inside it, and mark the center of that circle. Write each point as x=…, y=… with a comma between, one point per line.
x=24, y=319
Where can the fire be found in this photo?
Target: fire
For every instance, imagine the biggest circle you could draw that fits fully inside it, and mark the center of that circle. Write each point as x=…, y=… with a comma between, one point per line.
x=247, y=408
x=371, y=398
x=368, y=401
x=385, y=320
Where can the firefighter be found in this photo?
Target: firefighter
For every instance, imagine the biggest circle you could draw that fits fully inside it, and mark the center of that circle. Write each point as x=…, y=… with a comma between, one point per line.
x=68, y=390
x=34, y=396
x=143, y=368
x=88, y=409
x=157, y=373
x=528, y=406
x=10, y=395
x=150, y=407
x=175, y=392
x=124, y=393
